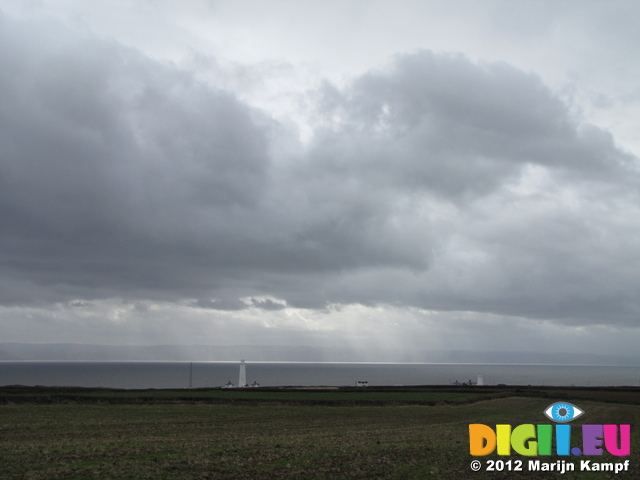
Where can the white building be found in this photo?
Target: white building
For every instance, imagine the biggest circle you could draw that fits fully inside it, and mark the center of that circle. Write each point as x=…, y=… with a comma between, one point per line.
x=242, y=380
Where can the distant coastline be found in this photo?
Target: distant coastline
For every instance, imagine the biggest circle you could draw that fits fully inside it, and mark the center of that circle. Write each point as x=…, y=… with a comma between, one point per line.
x=208, y=374
x=274, y=353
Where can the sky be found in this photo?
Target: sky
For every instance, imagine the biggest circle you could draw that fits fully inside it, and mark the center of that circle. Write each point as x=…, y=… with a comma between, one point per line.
x=410, y=176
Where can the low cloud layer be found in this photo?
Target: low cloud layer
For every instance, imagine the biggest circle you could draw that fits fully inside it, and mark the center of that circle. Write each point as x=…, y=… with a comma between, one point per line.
x=432, y=182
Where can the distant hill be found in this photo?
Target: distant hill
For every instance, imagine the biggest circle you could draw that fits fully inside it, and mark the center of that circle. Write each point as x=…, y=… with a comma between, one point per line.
x=86, y=352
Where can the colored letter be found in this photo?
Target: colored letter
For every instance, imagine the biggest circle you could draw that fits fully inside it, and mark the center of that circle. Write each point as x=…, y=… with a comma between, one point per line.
x=544, y=439
x=503, y=432
x=482, y=439
x=611, y=440
x=592, y=439
x=523, y=440
x=563, y=439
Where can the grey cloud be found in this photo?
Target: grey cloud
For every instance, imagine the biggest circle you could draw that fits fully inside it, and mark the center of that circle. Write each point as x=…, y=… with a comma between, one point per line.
x=456, y=138
x=267, y=304
x=121, y=177
x=117, y=170
x=226, y=303
x=445, y=124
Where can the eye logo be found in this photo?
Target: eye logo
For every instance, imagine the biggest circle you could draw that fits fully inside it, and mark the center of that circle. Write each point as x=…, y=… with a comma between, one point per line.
x=563, y=412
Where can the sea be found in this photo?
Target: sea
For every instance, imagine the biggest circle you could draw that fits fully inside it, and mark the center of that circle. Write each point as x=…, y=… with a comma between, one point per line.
x=146, y=375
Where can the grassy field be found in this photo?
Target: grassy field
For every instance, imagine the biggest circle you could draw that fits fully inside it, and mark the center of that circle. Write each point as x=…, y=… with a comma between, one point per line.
x=386, y=434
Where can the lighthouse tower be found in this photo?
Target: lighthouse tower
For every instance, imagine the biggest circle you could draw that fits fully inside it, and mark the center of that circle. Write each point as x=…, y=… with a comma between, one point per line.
x=242, y=380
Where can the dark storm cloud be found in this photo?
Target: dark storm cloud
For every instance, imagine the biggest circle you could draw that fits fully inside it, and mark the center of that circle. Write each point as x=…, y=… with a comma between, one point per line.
x=122, y=177
x=118, y=172
x=444, y=145
x=443, y=124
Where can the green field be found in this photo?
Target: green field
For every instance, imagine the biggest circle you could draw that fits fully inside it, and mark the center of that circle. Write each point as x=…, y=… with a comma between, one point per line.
x=278, y=434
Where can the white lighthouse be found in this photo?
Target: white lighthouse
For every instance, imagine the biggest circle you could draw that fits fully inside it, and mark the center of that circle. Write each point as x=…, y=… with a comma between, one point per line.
x=242, y=380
